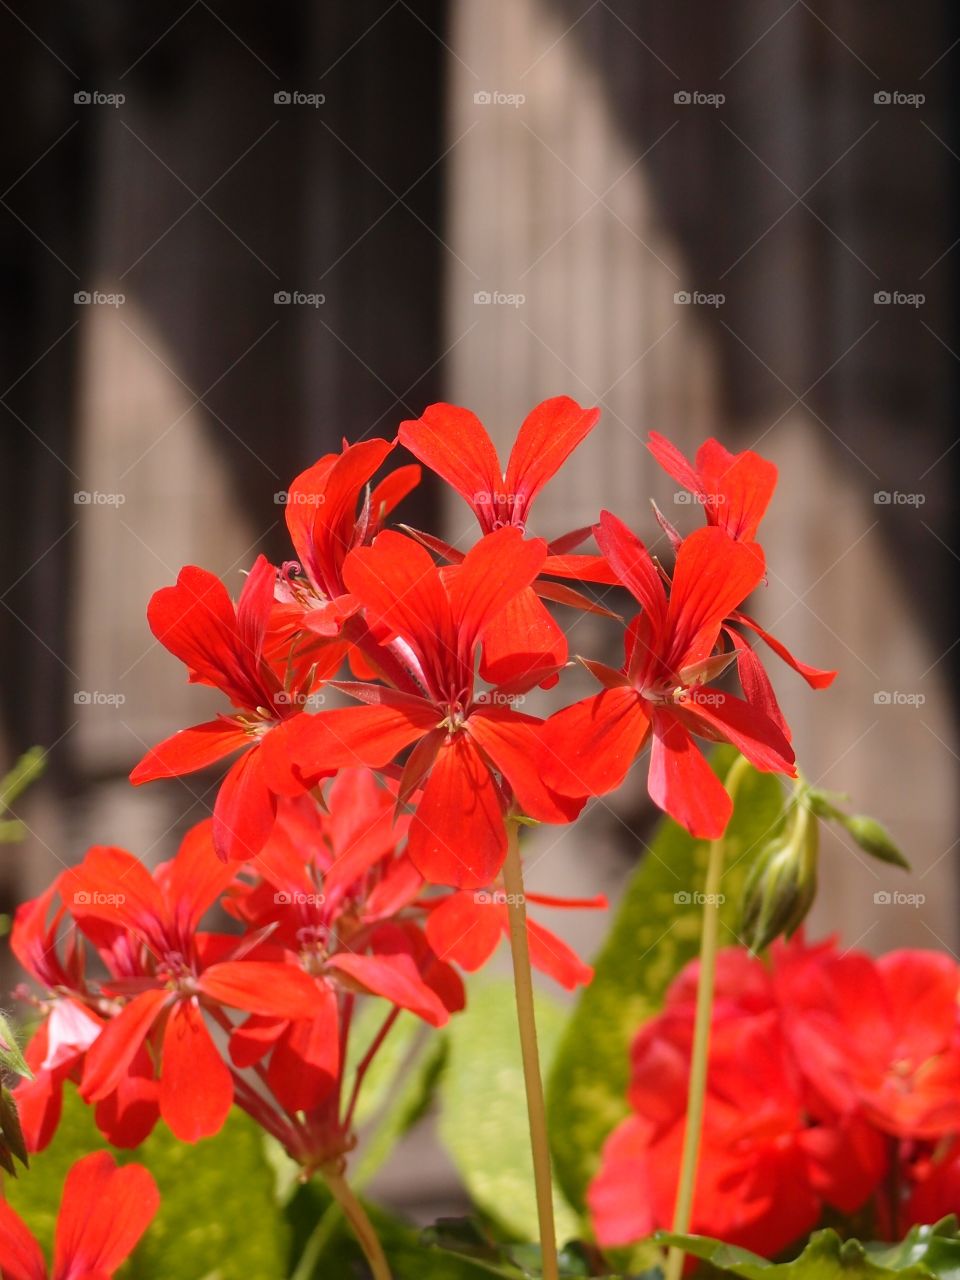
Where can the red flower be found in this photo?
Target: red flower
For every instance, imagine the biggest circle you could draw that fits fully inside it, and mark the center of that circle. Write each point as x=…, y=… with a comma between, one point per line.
x=327, y=890
x=660, y=691
x=453, y=443
x=104, y=1212
x=767, y=1166
x=146, y=928
x=735, y=490
x=466, y=927
x=223, y=646
x=324, y=526
x=880, y=1037
x=464, y=741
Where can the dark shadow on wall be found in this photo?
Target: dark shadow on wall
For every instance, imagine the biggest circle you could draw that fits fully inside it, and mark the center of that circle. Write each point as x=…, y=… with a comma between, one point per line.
x=202, y=197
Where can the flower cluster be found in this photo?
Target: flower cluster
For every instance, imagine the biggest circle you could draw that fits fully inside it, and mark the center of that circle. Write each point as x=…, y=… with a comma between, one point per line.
x=152, y=1016
x=833, y=1084
x=380, y=769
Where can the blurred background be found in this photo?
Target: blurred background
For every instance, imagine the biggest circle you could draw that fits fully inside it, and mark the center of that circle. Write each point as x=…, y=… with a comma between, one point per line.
x=231, y=235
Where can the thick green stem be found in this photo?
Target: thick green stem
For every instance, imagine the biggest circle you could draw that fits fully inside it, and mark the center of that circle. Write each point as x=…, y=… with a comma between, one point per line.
x=536, y=1109
x=362, y=1227
x=699, y=1060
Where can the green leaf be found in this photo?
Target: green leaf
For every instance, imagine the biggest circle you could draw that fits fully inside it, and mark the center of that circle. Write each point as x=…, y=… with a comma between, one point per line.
x=926, y=1252
x=218, y=1215
x=655, y=933
x=26, y=770
x=484, y=1120
x=465, y=1238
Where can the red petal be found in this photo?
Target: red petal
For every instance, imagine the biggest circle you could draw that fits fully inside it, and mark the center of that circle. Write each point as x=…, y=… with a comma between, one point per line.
x=245, y=810
x=713, y=575
x=196, y=877
x=305, y=1063
x=674, y=463
x=22, y=1258
x=321, y=509
x=197, y=622
x=353, y=736
x=255, y=607
x=400, y=587
x=755, y=682
x=392, y=490
x=492, y=574
x=254, y=1038
x=103, y=1214
x=118, y=1044
x=127, y=1116
x=395, y=977
x=754, y=734
x=522, y=645
x=457, y=836
x=111, y=884
x=515, y=744
x=453, y=442
x=631, y=562
x=261, y=986
x=196, y=1089
x=683, y=784
x=548, y=436
x=743, y=485
x=552, y=956
x=814, y=677
x=466, y=928
x=589, y=746
x=190, y=749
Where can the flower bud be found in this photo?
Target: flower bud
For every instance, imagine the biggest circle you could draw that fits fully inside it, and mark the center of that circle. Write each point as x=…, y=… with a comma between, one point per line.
x=873, y=838
x=782, y=883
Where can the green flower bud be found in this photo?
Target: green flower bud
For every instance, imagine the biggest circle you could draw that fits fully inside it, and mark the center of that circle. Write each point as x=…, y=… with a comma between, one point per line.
x=11, y=1059
x=782, y=883
x=11, y=1135
x=873, y=838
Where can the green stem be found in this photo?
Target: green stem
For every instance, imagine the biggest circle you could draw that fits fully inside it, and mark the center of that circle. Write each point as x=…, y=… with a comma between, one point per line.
x=356, y=1215
x=536, y=1108
x=699, y=1060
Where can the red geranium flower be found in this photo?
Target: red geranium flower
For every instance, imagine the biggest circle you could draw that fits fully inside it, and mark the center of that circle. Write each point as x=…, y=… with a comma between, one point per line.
x=735, y=490
x=464, y=741
x=454, y=443
x=104, y=1212
x=171, y=975
x=661, y=689
x=223, y=646
x=324, y=526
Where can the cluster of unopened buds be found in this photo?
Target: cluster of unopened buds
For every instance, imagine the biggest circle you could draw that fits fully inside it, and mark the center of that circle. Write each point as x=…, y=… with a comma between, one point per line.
x=381, y=769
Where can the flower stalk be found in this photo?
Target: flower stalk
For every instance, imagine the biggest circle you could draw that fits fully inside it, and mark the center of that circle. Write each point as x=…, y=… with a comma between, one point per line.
x=362, y=1227
x=699, y=1060
x=533, y=1083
